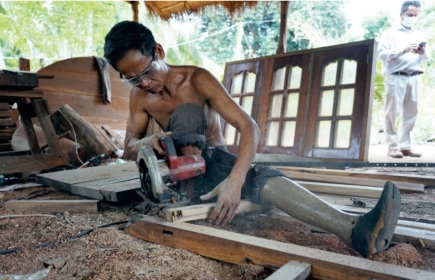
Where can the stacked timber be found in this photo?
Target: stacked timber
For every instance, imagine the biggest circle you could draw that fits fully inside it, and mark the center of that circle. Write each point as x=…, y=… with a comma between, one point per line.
x=7, y=127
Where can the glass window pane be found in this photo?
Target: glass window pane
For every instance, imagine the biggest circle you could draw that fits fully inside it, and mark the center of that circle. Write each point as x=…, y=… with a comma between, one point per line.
x=291, y=110
x=230, y=134
x=294, y=80
x=278, y=79
x=249, y=82
x=272, y=134
x=236, y=84
x=348, y=72
x=247, y=104
x=237, y=100
x=329, y=74
x=288, y=135
x=345, y=102
x=342, y=134
x=323, y=134
x=275, y=106
x=326, y=103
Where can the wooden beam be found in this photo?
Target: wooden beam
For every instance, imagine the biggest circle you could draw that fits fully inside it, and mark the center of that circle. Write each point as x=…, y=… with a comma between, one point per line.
x=339, y=189
x=202, y=211
x=292, y=271
x=14, y=164
x=49, y=206
x=239, y=249
x=353, y=177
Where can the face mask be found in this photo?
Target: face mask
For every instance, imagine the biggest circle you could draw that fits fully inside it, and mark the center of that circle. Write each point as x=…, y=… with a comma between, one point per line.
x=409, y=21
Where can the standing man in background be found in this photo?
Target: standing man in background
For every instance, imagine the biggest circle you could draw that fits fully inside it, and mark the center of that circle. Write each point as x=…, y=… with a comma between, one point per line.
x=402, y=49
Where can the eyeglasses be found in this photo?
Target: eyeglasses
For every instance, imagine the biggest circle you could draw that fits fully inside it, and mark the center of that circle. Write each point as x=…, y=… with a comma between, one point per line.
x=146, y=74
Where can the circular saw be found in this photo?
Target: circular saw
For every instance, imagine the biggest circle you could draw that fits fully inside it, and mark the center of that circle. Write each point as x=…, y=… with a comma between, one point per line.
x=159, y=178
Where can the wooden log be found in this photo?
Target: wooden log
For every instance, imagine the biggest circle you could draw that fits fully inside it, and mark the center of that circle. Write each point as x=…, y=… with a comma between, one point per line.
x=6, y=122
x=4, y=106
x=50, y=206
x=203, y=211
x=74, y=151
x=239, y=249
x=353, y=177
x=20, y=80
x=292, y=271
x=87, y=135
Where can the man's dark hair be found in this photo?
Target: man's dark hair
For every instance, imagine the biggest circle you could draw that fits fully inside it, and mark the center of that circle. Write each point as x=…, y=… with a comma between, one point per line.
x=126, y=36
x=406, y=4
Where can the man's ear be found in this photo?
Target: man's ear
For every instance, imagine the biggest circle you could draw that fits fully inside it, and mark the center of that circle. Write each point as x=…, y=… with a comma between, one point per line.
x=160, y=52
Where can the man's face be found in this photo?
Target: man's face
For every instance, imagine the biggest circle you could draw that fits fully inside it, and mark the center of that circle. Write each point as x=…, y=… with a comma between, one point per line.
x=140, y=71
x=411, y=12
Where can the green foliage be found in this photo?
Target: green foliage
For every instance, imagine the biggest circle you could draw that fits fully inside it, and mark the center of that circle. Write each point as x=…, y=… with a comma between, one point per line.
x=376, y=25
x=45, y=32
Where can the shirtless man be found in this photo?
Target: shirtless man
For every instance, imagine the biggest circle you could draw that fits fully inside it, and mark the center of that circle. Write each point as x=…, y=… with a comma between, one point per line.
x=187, y=102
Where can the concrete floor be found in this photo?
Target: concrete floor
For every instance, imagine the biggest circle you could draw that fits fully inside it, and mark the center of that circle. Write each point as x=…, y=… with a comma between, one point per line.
x=378, y=153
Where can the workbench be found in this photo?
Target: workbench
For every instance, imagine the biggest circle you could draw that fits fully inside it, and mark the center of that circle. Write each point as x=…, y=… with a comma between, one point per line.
x=18, y=87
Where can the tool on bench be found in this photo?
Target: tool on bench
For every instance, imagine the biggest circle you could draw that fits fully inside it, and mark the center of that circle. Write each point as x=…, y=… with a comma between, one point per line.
x=35, y=194
x=357, y=201
x=159, y=178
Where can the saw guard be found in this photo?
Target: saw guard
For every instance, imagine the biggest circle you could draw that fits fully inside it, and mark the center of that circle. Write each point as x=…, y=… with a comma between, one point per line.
x=149, y=173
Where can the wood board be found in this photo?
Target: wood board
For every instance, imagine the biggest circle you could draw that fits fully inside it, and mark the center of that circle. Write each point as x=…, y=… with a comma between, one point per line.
x=239, y=249
x=115, y=183
x=50, y=206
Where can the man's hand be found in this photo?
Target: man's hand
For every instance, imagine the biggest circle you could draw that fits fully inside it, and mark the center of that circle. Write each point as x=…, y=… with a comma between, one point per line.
x=155, y=142
x=227, y=203
x=414, y=48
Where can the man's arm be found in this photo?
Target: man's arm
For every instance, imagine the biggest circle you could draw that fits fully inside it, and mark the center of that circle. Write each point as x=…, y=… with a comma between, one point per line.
x=137, y=125
x=229, y=190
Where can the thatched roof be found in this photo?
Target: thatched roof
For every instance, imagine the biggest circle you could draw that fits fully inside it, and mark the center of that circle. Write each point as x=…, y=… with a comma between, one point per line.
x=167, y=9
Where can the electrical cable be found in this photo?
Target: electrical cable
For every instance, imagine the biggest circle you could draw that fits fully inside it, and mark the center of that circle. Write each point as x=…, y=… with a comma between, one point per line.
x=75, y=137
x=4, y=252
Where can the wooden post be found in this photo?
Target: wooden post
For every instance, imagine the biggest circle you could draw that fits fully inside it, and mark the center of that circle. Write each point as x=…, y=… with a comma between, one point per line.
x=282, y=41
x=135, y=9
x=24, y=64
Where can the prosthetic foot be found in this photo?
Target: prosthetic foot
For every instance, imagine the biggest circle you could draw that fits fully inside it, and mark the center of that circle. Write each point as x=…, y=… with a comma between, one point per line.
x=374, y=230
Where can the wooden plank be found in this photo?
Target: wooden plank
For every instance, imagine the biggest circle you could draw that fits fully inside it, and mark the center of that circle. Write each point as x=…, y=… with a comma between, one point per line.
x=115, y=183
x=14, y=164
x=111, y=172
x=50, y=206
x=292, y=270
x=239, y=249
x=107, y=137
x=92, y=108
x=203, y=211
x=80, y=74
x=21, y=93
x=5, y=114
x=354, y=177
x=21, y=80
x=4, y=106
x=6, y=122
x=115, y=136
x=339, y=189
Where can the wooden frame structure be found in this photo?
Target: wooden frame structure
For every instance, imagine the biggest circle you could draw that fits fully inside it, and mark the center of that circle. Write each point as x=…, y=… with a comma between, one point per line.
x=314, y=103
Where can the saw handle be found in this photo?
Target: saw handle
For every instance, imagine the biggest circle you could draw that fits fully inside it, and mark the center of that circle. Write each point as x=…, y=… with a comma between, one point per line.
x=167, y=144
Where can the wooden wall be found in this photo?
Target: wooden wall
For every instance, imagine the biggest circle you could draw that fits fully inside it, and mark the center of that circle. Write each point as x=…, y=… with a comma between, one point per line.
x=77, y=82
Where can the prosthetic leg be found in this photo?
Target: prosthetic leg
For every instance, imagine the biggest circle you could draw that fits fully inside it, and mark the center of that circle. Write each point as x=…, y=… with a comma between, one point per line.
x=368, y=234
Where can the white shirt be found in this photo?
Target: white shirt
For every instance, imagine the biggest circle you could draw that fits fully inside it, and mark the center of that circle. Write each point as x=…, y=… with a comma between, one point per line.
x=391, y=46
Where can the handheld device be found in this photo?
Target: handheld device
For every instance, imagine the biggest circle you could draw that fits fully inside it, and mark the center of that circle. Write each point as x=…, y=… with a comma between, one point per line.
x=422, y=44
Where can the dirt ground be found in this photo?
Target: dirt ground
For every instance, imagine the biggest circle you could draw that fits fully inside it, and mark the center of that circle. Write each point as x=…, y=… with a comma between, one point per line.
x=110, y=253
